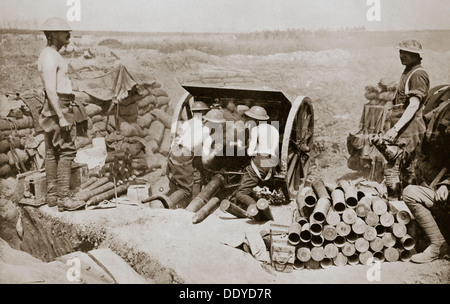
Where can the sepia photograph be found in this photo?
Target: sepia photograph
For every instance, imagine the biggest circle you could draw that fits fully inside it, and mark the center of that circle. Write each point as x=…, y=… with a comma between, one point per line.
x=224, y=148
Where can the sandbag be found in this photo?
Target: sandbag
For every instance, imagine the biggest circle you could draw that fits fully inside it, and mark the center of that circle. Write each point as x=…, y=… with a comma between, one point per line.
x=156, y=131
x=151, y=145
x=163, y=117
x=4, y=146
x=82, y=141
x=127, y=129
x=101, y=125
x=22, y=154
x=4, y=159
x=145, y=120
x=140, y=131
x=164, y=147
x=162, y=101
x=5, y=170
x=144, y=102
x=96, y=118
x=128, y=110
x=130, y=119
x=159, y=92
x=92, y=110
x=146, y=110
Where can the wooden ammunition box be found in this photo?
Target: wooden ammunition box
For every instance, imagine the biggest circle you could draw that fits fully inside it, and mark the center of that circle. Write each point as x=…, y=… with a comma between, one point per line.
x=79, y=174
x=282, y=254
x=34, y=182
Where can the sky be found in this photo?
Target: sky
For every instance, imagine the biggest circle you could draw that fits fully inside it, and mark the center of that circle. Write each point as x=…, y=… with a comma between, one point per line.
x=228, y=15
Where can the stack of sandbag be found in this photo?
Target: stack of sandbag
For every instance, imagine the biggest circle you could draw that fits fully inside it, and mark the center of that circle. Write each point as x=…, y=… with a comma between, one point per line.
x=20, y=148
x=381, y=93
x=141, y=129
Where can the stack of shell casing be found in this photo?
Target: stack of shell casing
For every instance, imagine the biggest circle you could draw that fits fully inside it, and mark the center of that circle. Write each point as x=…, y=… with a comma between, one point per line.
x=336, y=226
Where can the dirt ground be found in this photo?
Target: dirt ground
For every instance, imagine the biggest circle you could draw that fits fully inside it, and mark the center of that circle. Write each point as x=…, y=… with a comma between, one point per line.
x=335, y=81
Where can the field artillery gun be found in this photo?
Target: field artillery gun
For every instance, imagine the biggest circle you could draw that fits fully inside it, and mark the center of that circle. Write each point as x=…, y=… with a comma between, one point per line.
x=293, y=119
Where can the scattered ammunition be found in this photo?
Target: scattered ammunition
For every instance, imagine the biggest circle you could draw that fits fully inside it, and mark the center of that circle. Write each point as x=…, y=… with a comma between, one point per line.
x=351, y=237
x=353, y=259
x=310, y=198
x=379, y=256
x=227, y=206
x=407, y=242
x=321, y=209
x=376, y=244
x=365, y=256
x=320, y=190
x=372, y=219
x=399, y=230
x=294, y=234
x=388, y=239
x=348, y=249
x=349, y=216
x=343, y=229
x=333, y=218
x=317, y=254
x=206, y=194
x=326, y=263
x=303, y=254
x=317, y=240
x=403, y=217
x=339, y=241
x=379, y=206
x=331, y=250
x=338, y=200
x=263, y=206
x=370, y=234
x=405, y=255
x=391, y=254
x=381, y=230
x=363, y=207
x=362, y=245
x=387, y=219
x=206, y=210
x=350, y=193
x=305, y=234
x=329, y=232
x=253, y=213
x=359, y=226
x=340, y=260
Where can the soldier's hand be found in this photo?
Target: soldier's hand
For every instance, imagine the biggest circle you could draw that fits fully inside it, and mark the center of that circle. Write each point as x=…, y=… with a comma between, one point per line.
x=390, y=135
x=441, y=194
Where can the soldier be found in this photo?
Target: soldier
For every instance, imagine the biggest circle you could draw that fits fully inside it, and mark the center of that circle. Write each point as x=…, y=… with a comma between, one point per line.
x=434, y=176
x=407, y=125
x=188, y=145
x=59, y=117
x=263, y=149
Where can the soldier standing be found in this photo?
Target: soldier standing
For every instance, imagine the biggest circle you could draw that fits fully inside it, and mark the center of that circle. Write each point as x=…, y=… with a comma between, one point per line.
x=59, y=116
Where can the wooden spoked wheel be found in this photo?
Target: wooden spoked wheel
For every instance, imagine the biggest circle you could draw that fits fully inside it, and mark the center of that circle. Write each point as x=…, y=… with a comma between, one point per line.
x=297, y=144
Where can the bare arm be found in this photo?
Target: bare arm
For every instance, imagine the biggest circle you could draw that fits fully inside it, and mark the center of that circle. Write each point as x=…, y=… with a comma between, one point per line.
x=414, y=104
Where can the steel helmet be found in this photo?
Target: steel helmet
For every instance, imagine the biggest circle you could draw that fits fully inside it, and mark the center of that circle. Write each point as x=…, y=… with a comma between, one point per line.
x=214, y=115
x=258, y=113
x=199, y=106
x=410, y=45
x=55, y=24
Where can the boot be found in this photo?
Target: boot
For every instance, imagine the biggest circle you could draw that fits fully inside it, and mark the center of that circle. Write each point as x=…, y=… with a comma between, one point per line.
x=65, y=202
x=52, y=180
x=438, y=246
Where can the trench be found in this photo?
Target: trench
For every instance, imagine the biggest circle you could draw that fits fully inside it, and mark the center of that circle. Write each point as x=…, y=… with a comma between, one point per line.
x=47, y=236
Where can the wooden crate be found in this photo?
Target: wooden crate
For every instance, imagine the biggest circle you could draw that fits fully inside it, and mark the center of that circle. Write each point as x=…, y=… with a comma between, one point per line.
x=282, y=253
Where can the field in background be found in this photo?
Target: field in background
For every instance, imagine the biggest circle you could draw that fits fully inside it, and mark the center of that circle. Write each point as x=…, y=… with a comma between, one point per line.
x=330, y=67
